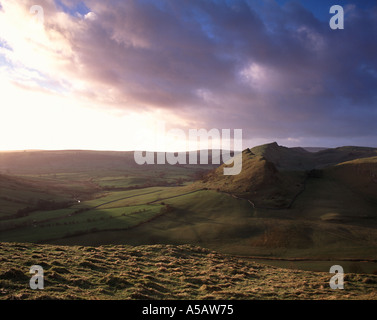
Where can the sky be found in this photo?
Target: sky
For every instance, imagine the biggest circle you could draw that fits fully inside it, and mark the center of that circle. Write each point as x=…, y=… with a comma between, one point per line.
x=108, y=75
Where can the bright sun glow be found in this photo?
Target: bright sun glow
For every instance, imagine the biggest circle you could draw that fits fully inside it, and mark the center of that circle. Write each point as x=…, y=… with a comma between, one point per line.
x=41, y=120
x=44, y=105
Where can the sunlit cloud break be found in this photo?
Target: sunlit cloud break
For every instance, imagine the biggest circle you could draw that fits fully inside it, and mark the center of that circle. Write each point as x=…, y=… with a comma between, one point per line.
x=92, y=74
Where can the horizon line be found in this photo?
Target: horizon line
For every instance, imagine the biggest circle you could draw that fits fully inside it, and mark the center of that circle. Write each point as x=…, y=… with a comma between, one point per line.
x=160, y=151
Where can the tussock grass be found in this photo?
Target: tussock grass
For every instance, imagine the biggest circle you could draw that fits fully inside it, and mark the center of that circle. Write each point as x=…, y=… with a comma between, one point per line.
x=162, y=272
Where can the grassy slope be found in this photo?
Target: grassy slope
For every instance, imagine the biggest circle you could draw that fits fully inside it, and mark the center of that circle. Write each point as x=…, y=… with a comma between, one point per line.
x=19, y=192
x=285, y=158
x=98, y=179
x=220, y=222
x=118, y=210
x=259, y=181
x=359, y=175
x=300, y=159
x=162, y=272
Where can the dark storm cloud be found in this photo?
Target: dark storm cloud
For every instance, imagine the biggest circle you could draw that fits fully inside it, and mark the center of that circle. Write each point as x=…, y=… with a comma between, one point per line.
x=272, y=70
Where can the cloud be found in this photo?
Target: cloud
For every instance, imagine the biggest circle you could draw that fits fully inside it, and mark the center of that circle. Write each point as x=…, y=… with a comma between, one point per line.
x=272, y=70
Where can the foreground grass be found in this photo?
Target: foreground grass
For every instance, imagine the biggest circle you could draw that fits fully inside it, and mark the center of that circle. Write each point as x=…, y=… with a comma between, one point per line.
x=161, y=272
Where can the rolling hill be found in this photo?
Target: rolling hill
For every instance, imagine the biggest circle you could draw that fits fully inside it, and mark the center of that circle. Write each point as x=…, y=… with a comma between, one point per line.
x=18, y=193
x=300, y=159
x=259, y=182
x=360, y=175
x=274, y=176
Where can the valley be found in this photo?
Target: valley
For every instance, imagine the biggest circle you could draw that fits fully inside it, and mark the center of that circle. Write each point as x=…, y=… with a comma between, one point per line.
x=287, y=205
